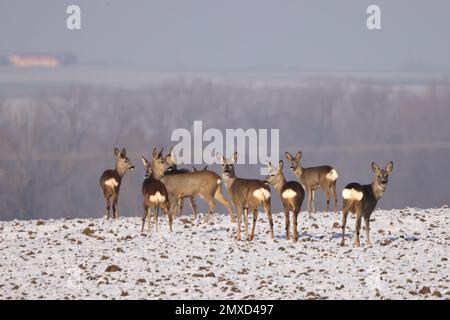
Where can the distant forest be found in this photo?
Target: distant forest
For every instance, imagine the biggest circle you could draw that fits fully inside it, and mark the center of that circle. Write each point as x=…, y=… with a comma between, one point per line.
x=55, y=145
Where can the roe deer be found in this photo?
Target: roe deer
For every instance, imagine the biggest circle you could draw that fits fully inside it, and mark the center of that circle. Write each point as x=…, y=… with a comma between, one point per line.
x=111, y=179
x=362, y=199
x=291, y=193
x=323, y=177
x=247, y=195
x=155, y=195
x=206, y=184
x=173, y=169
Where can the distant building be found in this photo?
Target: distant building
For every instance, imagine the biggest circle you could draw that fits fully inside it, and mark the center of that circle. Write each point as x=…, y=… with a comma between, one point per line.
x=38, y=60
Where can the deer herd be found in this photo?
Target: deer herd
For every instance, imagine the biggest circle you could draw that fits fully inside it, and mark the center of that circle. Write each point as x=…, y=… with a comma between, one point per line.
x=166, y=186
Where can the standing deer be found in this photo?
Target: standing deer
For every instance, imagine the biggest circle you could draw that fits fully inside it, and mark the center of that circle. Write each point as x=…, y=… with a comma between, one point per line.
x=247, y=195
x=291, y=193
x=206, y=184
x=173, y=169
x=362, y=199
x=323, y=177
x=155, y=195
x=111, y=179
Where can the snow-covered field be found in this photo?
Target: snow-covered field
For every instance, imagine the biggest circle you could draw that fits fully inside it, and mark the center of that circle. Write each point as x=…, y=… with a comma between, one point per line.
x=95, y=258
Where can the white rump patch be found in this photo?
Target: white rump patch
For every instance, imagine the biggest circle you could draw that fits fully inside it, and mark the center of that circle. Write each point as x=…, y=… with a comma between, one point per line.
x=111, y=183
x=332, y=175
x=219, y=181
x=261, y=194
x=289, y=193
x=352, y=194
x=157, y=198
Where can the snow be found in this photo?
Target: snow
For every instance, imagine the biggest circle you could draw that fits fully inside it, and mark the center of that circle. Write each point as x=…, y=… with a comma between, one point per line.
x=55, y=259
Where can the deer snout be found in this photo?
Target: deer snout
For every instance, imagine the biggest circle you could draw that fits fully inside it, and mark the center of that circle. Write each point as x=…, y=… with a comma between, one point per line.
x=131, y=168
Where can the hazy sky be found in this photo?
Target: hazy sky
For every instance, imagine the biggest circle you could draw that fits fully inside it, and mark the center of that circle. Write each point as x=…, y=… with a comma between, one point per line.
x=235, y=34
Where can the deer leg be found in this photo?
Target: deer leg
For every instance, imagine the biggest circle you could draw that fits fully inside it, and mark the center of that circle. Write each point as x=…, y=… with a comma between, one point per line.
x=287, y=222
x=269, y=215
x=173, y=201
x=193, y=206
x=255, y=218
x=246, y=223
x=169, y=216
x=149, y=216
x=114, y=208
x=327, y=197
x=296, y=211
x=211, y=207
x=116, y=205
x=345, y=210
x=156, y=216
x=333, y=189
x=108, y=207
x=366, y=220
x=143, y=219
x=239, y=220
x=180, y=206
x=312, y=200
x=357, y=228
x=308, y=202
x=220, y=197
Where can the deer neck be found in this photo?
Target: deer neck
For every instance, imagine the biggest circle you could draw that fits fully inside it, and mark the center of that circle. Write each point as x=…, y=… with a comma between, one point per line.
x=377, y=190
x=281, y=181
x=228, y=181
x=121, y=170
x=298, y=171
x=157, y=175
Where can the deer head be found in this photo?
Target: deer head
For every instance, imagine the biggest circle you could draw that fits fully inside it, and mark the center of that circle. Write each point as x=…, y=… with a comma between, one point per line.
x=294, y=161
x=123, y=164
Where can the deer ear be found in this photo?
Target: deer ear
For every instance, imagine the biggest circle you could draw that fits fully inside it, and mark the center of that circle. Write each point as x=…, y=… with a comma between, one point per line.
x=298, y=156
x=161, y=151
x=269, y=164
x=124, y=152
x=235, y=157
x=288, y=156
x=220, y=157
x=389, y=167
x=144, y=161
x=116, y=152
x=375, y=168
x=154, y=153
x=280, y=165
x=173, y=158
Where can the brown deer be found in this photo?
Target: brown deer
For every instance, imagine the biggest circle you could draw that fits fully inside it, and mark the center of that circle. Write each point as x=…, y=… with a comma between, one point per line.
x=173, y=169
x=206, y=184
x=247, y=195
x=155, y=195
x=323, y=177
x=362, y=199
x=111, y=179
x=291, y=193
